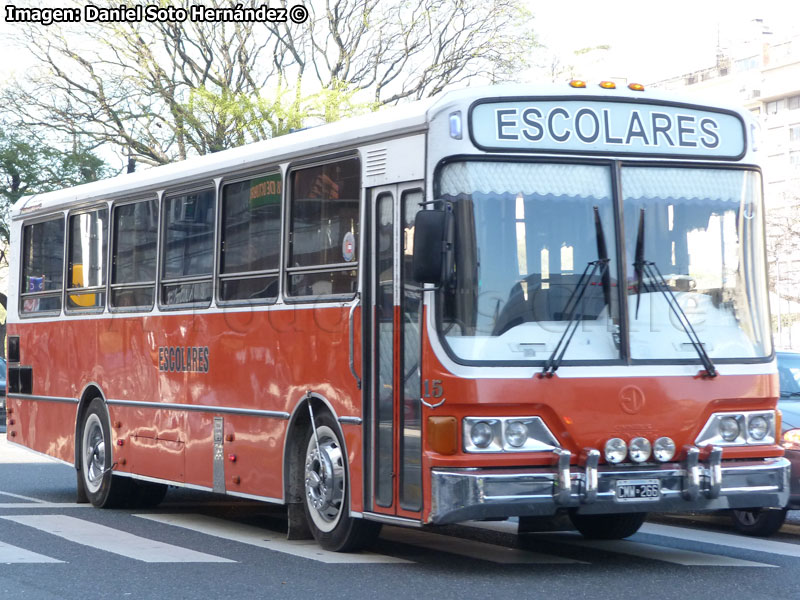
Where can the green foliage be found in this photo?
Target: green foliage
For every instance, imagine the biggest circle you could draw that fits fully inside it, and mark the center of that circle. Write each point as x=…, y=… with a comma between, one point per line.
x=28, y=166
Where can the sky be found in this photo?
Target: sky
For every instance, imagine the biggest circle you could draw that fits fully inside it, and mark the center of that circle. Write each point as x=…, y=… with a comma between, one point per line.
x=650, y=40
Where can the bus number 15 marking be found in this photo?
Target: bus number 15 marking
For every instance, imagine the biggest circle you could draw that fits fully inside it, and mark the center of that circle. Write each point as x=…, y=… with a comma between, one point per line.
x=432, y=389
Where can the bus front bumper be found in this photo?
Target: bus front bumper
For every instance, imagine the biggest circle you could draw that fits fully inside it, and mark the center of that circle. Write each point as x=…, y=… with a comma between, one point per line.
x=693, y=485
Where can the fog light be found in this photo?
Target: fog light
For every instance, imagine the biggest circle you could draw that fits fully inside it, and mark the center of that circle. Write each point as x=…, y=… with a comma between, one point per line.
x=639, y=449
x=664, y=449
x=729, y=428
x=516, y=434
x=758, y=428
x=481, y=434
x=616, y=450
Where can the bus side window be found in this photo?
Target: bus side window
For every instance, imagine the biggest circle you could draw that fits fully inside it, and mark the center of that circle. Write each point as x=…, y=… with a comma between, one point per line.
x=251, y=239
x=324, y=230
x=42, y=266
x=133, y=258
x=188, y=251
x=86, y=267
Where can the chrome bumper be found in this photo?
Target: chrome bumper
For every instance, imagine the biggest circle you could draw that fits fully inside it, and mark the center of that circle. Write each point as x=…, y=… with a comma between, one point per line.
x=693, y=485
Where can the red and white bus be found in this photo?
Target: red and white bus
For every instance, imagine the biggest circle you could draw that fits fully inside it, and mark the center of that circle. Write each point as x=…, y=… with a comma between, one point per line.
x=516, y=301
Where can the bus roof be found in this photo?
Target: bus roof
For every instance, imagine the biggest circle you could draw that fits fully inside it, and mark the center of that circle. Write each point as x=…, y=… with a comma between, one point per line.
x=395, y=121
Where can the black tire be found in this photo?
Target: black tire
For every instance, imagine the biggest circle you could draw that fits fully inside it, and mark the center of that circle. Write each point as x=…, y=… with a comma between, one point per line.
x=102, y=487
x=761, y=522
x=326, y=493
x=607, y=527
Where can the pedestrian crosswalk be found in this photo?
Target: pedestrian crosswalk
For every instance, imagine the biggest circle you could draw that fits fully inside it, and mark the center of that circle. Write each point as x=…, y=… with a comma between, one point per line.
x=397, y=545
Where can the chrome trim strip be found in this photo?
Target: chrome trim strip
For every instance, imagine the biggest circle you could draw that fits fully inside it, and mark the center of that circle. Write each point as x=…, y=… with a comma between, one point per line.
x=563, y=483
x=350, y=420
x=274, y=414
x=461, y=494
x=714, y=472
x=268, y=499
x=391, y=520
x=351, y=339
x=691, y=483
x=590, y=458
x=19, y=396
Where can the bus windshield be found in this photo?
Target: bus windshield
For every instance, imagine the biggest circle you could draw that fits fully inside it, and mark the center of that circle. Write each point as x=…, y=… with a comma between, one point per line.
x=526, y=233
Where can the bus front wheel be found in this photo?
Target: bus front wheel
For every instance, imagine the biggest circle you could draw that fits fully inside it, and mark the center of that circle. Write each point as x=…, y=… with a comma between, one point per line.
x=326, y=492
x=103, y=489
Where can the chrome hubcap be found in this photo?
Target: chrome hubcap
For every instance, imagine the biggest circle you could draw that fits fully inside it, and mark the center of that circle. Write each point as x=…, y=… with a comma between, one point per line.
x=324, y=479
x=94, y=453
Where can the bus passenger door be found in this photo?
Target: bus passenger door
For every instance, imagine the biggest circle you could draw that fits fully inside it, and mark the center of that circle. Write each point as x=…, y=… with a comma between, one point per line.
x=394, y=436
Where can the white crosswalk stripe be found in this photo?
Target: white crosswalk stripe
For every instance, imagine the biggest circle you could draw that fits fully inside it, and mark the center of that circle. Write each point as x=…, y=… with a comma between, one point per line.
x=11, y=554
x=112, y=540
x=254, y=536
x=122, y=543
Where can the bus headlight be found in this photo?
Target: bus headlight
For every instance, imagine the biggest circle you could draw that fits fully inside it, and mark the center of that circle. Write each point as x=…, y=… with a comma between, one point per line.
x=757, y=428
x=729, y=428
x=507, y=434
x=516, y=433
x=616, y=450
x=753, y=427
x=664, y=449
x=639, y=449
x=481, y=434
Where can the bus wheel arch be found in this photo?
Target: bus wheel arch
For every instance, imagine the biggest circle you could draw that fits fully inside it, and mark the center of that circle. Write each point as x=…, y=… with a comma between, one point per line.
x=317, y=481
x=94, y=453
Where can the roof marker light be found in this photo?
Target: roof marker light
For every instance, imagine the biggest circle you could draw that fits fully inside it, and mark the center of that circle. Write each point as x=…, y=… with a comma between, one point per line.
x=455, y=125
x=636, y=87
x=608, y=85
x=578, y=83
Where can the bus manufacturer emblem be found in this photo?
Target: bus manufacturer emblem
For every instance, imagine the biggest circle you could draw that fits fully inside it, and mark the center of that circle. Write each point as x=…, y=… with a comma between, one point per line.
x=631, y=399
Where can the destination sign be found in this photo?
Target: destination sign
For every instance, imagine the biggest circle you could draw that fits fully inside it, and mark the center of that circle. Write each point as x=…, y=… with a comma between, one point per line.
x=608, y=127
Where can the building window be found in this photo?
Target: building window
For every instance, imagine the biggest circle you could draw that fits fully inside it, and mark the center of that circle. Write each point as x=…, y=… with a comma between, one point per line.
x=793, y=102
x=188, y=255
x=133, y=257
x=772, y=107
x=42, y=266
x=794, y=133
x=86, y=262
x=323, y=229
x=251, y=239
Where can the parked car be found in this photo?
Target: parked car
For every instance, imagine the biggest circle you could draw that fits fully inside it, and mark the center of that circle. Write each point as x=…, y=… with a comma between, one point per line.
x=766, y=521
x=2, y=391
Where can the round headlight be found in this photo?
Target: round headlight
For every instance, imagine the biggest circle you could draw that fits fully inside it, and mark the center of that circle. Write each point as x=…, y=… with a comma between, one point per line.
x=481, y=434
x=664, y=449
x=516, y=434
x=729, y=428
x=639, y=449
x=616, y=450
x=758, y=427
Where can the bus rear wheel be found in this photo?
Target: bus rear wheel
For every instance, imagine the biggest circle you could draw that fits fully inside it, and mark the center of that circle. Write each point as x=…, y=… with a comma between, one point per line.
x=103, y=489
x=326, y=492
x=607, y=527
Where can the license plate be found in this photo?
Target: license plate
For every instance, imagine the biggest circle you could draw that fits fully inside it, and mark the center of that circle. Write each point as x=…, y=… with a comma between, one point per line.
x=638, y=490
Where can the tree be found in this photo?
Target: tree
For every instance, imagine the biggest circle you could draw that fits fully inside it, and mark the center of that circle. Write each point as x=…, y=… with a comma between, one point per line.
x=31, y=166
x=163, y=91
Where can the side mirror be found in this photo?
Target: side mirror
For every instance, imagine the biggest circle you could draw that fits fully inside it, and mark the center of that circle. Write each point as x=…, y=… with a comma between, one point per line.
x=433, y=246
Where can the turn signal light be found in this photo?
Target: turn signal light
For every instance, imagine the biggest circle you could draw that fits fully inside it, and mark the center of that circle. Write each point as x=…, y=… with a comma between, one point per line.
x=791, y=439
x=443, y=434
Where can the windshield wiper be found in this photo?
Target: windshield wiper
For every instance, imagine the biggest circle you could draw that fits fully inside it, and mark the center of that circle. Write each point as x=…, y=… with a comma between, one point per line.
x=570, y=309
x=644, y=268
